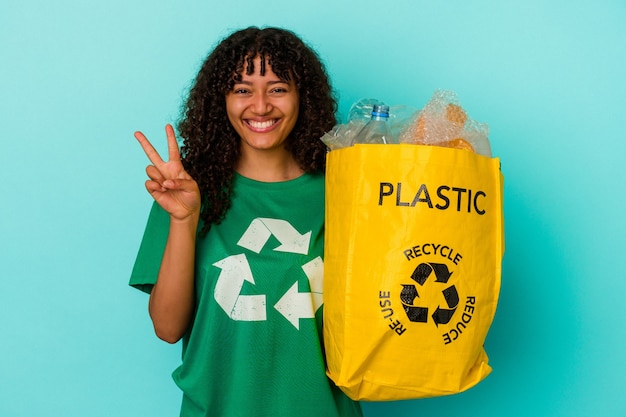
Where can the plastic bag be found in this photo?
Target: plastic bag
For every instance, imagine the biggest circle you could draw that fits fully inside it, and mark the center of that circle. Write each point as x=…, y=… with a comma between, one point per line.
x=413, y=248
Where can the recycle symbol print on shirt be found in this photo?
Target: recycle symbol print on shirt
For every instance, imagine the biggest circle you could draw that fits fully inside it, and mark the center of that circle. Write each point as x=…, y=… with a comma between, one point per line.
x=235, y=270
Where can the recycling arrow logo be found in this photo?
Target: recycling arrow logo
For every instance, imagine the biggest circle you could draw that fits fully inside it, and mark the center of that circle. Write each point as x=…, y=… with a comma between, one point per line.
x=235, y=271
x=416, y=311
x=260, y=230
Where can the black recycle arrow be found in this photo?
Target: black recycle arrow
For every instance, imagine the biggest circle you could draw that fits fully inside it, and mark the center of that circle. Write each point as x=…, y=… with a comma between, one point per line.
x=443, y=316
x=423, y=271
x=414, y=313
x=408, y=294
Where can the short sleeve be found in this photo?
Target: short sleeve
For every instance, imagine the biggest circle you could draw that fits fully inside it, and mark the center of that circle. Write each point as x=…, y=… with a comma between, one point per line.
x=148, y=261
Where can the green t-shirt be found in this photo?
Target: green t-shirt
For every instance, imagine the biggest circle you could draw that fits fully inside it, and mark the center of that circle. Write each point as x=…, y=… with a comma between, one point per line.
x=255, y=347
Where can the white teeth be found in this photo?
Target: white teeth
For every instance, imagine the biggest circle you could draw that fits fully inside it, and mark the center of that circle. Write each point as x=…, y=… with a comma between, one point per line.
x=261, y=125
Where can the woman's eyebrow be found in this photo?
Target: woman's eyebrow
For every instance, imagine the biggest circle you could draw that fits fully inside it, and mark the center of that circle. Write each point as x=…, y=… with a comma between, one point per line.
x=277, y=81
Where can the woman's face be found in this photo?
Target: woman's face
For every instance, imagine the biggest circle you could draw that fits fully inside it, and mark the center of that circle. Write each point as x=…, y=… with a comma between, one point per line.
x=262, y=109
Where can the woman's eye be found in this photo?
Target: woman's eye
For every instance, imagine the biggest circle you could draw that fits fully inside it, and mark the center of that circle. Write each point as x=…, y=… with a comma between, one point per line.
x=240, y=91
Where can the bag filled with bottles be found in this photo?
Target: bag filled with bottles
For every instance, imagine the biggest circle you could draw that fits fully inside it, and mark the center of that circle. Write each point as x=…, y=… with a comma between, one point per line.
x=413, y=251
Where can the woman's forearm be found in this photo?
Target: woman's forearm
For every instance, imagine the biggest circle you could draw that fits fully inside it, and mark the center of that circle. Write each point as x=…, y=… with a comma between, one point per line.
x=172, y=299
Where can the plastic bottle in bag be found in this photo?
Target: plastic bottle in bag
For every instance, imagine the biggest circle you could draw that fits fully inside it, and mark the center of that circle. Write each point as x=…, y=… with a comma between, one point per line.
x=377, y=129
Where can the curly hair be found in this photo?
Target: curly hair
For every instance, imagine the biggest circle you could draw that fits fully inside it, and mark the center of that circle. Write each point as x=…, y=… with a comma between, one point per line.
x=211, y=147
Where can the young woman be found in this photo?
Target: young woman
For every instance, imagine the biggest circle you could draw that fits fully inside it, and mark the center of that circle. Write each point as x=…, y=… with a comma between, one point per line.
x=232, y=253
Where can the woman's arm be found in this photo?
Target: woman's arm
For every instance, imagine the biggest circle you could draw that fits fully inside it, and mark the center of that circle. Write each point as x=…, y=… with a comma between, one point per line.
x=172, y=300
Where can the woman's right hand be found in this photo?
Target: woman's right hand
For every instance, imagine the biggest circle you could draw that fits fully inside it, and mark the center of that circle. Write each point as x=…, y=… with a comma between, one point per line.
x=169, y=184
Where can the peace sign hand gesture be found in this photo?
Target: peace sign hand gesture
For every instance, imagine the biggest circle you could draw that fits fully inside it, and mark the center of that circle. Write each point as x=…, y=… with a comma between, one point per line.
x=169, y=184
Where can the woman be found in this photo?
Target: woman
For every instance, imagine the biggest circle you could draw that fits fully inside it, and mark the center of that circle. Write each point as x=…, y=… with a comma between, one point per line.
x=232, y=253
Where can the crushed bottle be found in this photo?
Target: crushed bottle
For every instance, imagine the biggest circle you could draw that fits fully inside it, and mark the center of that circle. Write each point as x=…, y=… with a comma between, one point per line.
x=376, y=131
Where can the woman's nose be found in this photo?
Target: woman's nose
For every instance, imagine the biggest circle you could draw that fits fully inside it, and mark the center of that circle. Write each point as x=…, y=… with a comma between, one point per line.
x=261, y=104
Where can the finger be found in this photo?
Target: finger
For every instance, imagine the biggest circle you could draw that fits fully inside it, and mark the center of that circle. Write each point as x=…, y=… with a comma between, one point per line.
x=152, y=153
x=154, y=187
x=172, y=145
x=181, y=185
x=154, y=174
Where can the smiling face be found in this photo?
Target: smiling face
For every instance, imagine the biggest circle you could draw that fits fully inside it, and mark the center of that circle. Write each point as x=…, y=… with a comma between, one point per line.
x=263, y=109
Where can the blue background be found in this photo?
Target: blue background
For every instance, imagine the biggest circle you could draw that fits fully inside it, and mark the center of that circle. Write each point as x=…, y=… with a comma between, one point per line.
x=77, y=78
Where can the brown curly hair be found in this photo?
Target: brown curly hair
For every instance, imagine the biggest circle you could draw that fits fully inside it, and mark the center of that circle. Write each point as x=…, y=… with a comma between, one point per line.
x=211, y=147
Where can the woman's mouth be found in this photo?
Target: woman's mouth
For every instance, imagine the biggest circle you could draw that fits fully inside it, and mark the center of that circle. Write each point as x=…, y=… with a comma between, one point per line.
x=261, y=126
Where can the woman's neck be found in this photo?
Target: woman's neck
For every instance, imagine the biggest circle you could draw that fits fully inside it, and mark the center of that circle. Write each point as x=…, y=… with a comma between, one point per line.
x=268, y=166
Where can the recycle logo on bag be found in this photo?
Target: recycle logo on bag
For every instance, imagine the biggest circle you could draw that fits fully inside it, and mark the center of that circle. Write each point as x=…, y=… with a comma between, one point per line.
x=417, y=309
